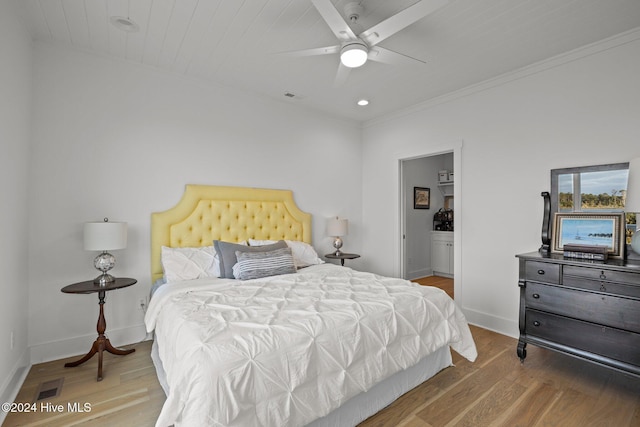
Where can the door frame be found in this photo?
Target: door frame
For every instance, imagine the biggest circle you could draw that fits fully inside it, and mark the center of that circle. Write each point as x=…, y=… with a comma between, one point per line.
x=456, y=149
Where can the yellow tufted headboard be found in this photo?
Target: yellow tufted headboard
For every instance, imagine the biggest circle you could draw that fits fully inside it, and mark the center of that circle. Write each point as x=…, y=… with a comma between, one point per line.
x=233, y=214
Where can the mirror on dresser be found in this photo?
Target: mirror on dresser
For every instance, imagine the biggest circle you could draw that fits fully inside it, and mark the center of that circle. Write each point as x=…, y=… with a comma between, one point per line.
x=599, y=188
x=591, y=189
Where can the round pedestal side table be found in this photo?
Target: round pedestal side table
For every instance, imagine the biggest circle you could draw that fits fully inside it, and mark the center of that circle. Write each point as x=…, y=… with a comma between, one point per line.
x=102, y=342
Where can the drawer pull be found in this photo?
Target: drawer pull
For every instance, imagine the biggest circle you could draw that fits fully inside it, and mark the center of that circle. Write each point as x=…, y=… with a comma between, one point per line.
x=536, y=296
x=602, y=288
x=536, y=323
x=541, y=272
x=603, y=276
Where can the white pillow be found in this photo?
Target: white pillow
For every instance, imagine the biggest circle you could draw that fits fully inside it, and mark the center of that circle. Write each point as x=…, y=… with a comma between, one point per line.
x=189, y=263
x=303, y=253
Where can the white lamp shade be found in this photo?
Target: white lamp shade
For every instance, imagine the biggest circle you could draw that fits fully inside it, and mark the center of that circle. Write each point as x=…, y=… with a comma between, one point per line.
x=632, y=202
x=105, y=236
x=337, y=227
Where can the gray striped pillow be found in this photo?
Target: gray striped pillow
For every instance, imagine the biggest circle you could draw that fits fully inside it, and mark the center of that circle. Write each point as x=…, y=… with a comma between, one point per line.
x=254, y=265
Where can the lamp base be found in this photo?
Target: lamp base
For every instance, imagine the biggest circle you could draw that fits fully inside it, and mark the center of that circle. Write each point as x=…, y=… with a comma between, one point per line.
x=337, y=243
x=104, y=262
x=104, y=279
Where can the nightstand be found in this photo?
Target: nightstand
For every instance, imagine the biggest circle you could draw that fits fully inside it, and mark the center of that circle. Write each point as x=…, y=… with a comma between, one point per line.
x=102, y=342
x=342, y=257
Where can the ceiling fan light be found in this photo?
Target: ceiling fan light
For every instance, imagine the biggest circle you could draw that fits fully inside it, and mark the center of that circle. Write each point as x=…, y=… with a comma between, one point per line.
x=354, y=55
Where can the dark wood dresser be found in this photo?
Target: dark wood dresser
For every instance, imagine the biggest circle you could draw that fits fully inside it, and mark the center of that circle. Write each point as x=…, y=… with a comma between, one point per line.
x=586, y=309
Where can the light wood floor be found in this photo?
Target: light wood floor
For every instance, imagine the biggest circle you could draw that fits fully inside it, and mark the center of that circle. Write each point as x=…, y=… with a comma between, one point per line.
x=549, y=389
x=443, y=283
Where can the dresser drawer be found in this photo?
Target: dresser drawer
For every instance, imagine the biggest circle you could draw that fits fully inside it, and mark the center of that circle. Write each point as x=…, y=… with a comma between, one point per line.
x=603, y=274
x=609, y=342
x=632, y=291
x=542, y=272
x=607, y=310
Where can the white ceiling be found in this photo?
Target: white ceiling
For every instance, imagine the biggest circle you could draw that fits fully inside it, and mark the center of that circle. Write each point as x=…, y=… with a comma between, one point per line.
x=233, y=42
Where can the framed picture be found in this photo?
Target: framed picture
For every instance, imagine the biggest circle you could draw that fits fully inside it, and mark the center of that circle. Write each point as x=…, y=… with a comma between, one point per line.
x=606, y=229
x=421, y=198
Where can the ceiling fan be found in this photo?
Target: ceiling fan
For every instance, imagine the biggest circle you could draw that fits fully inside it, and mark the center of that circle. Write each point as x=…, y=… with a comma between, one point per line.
x=356, y=49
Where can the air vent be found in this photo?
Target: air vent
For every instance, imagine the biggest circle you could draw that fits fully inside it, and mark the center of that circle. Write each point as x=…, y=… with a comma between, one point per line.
x=49, y=389
x=125, y=24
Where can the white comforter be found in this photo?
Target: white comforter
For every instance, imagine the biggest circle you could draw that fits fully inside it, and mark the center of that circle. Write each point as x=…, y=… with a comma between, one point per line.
x=285, y=350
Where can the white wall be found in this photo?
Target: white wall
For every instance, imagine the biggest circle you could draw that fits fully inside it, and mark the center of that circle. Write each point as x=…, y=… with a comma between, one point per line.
x=582, y=109
x=15, y=104
x=116, y=139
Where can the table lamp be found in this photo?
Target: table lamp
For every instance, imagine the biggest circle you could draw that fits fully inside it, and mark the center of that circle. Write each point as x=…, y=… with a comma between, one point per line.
x=337, y=228
x=632, y=202
x=105, y=236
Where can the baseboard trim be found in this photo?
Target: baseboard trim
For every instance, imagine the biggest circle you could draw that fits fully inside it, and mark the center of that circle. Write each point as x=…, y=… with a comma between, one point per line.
x=493, y=323
x=12, y=385
x=418, y=274
x=54, y=350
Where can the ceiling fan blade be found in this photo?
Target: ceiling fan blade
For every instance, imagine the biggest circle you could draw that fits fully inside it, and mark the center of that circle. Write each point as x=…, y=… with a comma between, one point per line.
x=380, y=54
x=341, y=75
x=327, y=50
x=400, y=20
x=334, y=20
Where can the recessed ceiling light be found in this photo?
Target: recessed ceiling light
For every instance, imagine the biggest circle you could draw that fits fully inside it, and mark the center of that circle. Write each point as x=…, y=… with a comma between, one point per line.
x=125, y=24
x=363, y=102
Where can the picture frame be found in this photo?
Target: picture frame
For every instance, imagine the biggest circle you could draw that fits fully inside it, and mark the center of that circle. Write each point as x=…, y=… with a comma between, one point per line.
x=590, y=229
x=421, y=198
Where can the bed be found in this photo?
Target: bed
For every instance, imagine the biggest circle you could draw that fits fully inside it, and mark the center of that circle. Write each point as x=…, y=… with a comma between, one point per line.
x=313, y=344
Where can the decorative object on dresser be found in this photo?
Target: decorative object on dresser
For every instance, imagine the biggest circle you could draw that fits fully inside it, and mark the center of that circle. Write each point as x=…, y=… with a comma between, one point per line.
x=421, y=198
x=105, y=236
x=632, y=203
x=589, y=310
x=546, y=224
x=599, y=188
x=337, y=228
x=592, y=252
x=602, y=229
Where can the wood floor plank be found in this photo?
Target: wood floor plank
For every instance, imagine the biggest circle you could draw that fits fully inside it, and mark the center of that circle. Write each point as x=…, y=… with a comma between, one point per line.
x=635, y=418
x=403, y=408
x=528, y=410
x=465, y=394
x=572, y=409
x=611, y=401
x=492, y=405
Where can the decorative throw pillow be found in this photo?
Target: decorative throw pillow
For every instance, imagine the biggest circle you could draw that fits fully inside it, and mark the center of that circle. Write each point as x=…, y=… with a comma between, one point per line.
x=227, y=254
x=189, y=263
x=303, y=253
x=254, y=265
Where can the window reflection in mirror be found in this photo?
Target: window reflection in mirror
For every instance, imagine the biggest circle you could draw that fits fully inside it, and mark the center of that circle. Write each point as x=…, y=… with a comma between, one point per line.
x=598, y=191
x=600, y=188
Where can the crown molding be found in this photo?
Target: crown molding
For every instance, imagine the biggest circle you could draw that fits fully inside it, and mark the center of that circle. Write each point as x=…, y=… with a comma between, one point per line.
x=538, y=67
